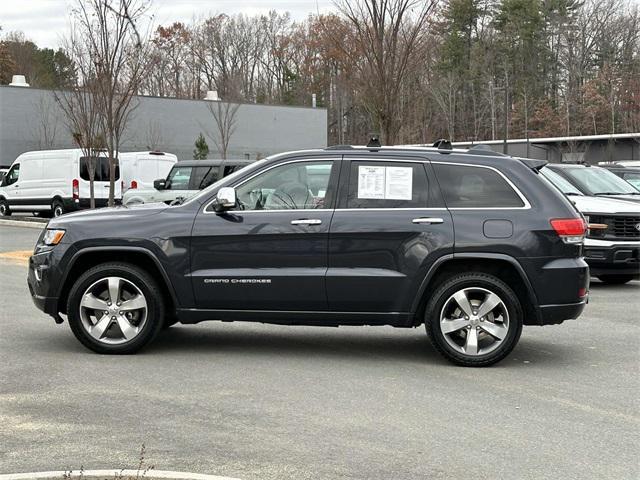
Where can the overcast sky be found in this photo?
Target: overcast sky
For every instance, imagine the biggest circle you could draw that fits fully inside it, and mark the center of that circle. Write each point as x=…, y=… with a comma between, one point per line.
x=45, y=21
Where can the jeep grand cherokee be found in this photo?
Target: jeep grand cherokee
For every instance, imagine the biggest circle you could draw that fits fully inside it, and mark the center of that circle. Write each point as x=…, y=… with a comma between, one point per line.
x=470, y=243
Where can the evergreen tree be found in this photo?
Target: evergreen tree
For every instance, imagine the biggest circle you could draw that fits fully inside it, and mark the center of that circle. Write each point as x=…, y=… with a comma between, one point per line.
x=202, y=149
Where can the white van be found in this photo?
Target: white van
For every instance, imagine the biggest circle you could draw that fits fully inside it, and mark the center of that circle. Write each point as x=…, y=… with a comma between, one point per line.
x=55, y=181
x=140, y=169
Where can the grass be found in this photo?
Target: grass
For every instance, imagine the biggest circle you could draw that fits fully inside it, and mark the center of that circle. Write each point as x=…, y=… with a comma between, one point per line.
x=141, y=471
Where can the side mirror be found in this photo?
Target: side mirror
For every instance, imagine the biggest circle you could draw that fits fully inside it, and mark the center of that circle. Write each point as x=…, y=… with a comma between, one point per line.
x=160, y=184
x=225, y=199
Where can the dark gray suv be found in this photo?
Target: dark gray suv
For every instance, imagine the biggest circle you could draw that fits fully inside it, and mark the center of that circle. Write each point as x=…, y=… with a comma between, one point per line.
x=472, y=244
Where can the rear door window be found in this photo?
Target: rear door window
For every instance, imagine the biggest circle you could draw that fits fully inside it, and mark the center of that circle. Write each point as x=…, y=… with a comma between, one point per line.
x=386, y=184
x=466, y=186
x=202, y=177
x=101, y=165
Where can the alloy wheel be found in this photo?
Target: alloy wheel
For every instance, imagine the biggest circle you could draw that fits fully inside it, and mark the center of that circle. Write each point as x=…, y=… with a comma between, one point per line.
x=113, y=310
x=474, y=321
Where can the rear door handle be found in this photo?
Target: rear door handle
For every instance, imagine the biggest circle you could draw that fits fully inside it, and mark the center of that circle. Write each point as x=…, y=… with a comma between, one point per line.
x=428, y=220
x=306, y=221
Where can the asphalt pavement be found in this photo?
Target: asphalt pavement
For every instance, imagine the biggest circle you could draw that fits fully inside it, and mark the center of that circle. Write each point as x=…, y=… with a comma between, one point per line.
x=258, y=401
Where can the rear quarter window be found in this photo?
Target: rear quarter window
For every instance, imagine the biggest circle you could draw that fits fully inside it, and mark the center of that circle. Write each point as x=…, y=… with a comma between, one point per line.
x=465, y=186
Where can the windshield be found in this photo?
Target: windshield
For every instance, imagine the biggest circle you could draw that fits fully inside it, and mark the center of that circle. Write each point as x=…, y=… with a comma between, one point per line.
x=599, y=181
x=560, y=183
x=229, y=178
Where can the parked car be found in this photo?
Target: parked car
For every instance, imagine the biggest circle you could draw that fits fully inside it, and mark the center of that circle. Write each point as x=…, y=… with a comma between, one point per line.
x=471, y=244
x=55, y=181
x=140, y=169
x=629, y=174
x=596, y=181
x=612, y=245
x=185, y=179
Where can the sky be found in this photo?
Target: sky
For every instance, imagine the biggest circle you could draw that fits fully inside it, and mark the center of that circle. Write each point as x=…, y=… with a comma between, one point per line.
x=46, y=21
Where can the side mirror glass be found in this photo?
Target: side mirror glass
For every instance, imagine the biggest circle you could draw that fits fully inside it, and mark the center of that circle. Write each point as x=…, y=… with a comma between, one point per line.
x=225, y=199
x=160, y=184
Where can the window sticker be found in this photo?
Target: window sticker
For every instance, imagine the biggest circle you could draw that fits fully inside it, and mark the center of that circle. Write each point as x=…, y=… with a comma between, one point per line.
x=385, y=183
x=371, y=182
x=398, y=183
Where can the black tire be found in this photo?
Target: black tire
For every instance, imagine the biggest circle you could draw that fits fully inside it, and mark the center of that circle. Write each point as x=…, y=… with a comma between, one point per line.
x=473, y=280
x=615, y=279
x=143, y=281
x=57, y=208
x=5, y=211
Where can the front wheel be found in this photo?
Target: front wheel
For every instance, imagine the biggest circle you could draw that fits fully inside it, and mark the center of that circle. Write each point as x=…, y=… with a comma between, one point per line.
x=5, y=211
x=115, y=308
x=615, y=279
x=474, y=319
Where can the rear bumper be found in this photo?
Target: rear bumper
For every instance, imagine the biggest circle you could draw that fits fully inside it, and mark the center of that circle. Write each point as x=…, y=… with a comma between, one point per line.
x=554, y=314
x=612, y=258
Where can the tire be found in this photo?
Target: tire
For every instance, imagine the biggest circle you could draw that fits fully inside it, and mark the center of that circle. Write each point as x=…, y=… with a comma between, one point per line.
x=5, y=211
x=461, y=345
x=100, y=330
x=615, y=279
x=57, y=208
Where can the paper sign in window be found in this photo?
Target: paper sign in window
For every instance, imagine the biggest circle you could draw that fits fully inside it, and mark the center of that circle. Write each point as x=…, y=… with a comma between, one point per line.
x=398, y=183
x=385, y=183
x=371, y=182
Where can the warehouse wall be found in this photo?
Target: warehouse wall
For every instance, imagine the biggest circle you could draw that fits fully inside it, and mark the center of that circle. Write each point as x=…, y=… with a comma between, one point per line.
x=261, y=130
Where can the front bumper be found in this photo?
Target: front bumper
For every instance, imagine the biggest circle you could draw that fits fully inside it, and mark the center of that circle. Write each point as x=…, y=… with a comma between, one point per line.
x=612, y=258
x=42, y=279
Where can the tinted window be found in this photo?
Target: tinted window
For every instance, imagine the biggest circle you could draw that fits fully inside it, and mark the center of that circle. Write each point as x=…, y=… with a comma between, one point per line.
x=202, y=177
x=475, y=187
x=300, y=185
x=101, y=169
x=12, y=176
x=374, y=184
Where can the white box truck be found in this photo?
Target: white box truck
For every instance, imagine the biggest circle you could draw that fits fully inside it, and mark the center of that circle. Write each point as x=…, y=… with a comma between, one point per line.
x=55, y=181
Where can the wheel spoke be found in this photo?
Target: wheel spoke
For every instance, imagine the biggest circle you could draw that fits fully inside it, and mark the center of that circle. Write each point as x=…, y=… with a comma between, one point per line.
x=491, y=301
x=134, y=303
x=450, y=326
x=471, y=343
x=461, y=298
x=93, y=302
x=114, y=289
x=128, y=330
x=496, y=330
x=97, y=331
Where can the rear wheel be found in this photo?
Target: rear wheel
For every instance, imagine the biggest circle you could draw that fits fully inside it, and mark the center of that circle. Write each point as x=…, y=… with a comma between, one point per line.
x=474, y=319
x=5, y=211
x=115, y=308
x=57, y=208
x=615, y=279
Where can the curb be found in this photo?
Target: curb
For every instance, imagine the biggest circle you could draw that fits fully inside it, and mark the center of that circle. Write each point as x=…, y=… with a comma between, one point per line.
x=111, y=474
x=23, y=223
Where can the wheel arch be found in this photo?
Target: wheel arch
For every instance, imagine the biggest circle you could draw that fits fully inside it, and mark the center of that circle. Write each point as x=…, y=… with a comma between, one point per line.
x=502, y=266
x=138, y=256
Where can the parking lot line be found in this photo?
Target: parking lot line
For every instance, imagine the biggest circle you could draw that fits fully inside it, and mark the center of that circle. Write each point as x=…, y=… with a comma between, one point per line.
x=17, y=255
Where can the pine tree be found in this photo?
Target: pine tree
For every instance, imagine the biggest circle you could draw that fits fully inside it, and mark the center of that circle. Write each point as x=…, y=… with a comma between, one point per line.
x=202, y=149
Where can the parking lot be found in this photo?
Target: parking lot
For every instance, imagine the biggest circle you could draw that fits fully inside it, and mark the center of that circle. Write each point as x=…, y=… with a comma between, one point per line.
x=271, y=402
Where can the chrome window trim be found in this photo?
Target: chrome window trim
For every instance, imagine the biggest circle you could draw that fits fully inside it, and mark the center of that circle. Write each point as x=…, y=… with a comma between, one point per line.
x=524, y=199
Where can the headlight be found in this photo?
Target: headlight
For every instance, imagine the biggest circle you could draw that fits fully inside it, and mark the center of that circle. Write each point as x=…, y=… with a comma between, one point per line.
x=52, y=237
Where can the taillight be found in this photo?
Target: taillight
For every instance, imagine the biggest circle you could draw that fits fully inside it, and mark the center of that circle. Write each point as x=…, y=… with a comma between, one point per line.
x=75, y=185
x=570, y=230
x=134, y=184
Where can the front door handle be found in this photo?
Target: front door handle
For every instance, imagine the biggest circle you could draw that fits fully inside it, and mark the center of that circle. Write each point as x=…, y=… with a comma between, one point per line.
x=306, y=221
x=428, y=220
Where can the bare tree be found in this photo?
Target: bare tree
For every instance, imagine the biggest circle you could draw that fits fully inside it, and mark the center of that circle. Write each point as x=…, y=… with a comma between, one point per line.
x=47, y=127
x=80, y=108
x=224, y=124
x=388, y=34
x=108, y=30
